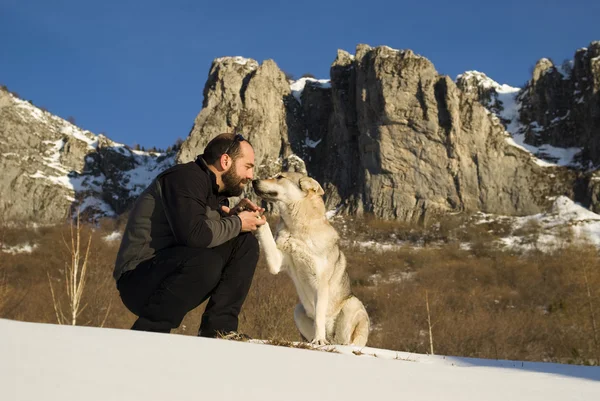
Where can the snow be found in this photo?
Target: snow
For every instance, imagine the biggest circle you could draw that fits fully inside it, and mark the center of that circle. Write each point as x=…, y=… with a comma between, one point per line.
x=64, y=127
x=559, y=119
x=310, y=143
x=564, y=214
x=23, y=248
x=61, y=363
x=102, y=208
x=146, y=169
x=114, y=236
x=394, y=277
x=298, y=86
x=78, y=133
x=565, y=72
x=561, y=156
x=486, y=82
x=135, y=180
x=375, y=246
x=544, y=155
x=238, y=60
x=60, y=179
x=332, y=213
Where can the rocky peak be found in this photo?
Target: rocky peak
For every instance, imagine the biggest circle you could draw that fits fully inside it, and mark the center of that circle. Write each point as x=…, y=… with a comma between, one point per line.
x=387, y=135
x=541, y=68
x=560, y=106
x=51, y=167
x=254, y=100
x=479, y=87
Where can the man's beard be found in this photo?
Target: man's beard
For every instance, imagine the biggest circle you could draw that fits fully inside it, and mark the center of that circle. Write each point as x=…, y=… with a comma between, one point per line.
x=232, y=183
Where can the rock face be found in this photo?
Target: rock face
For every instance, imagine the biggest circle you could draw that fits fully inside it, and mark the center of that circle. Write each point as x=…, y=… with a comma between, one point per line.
x=561, y=104
x=427, y=149
x=51, y=167
x=255, y=100
x=388, y=136
x=556, y=115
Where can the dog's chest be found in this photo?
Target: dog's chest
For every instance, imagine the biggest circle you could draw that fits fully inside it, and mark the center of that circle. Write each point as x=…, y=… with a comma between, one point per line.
x=303, y=256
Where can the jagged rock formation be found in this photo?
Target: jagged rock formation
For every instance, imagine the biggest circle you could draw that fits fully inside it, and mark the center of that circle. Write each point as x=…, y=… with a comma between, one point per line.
x=556, y=115
x=560, y=105
x=51, y=167
x=254, y=100
x=386, y=135
x=390, y=136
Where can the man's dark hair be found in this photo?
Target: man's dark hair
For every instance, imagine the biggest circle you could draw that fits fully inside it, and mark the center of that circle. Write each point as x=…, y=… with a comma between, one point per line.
x=223, y=143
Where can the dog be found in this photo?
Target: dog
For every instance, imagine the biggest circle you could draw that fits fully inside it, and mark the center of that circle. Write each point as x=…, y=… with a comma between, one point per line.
x=307, y=249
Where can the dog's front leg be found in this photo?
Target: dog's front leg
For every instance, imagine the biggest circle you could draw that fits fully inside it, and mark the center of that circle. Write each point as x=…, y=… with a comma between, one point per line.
x=321, y=304
x=273, y=255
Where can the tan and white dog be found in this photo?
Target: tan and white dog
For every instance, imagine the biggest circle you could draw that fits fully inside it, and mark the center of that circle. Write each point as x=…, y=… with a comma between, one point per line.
x=306, y=247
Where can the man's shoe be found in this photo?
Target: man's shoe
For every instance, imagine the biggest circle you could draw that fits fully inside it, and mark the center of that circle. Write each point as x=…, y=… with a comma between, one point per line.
x=228, y=335
x=234, y=335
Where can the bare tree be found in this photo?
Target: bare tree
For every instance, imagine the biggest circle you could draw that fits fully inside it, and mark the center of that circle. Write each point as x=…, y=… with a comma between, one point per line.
x=4, y=289
x=429, y=323
x=75, y=277
x=592, y=314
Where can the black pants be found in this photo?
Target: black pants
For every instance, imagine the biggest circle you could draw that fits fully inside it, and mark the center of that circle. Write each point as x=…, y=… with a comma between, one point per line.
x=163, y=290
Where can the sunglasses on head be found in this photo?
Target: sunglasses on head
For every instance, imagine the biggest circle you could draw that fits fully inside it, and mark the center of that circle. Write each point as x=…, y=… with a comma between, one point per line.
x=236, y=138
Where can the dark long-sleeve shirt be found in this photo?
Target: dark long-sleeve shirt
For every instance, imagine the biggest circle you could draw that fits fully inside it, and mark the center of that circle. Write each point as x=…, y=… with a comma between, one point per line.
x=181, y=207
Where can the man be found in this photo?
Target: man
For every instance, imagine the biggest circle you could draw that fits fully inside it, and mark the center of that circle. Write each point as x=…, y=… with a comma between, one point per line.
x=182, y=245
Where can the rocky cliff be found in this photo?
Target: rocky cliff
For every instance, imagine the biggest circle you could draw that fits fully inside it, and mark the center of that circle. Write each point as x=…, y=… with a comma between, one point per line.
x=561, y=104
x=51, y=168
x=385, y=135
x=555, y=116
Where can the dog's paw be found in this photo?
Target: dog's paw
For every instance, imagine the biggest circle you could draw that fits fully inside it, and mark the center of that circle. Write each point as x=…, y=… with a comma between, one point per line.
x=320, y=341
x=263, y=230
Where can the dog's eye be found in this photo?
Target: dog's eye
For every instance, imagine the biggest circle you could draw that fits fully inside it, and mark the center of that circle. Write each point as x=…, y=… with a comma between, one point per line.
x=279, y=177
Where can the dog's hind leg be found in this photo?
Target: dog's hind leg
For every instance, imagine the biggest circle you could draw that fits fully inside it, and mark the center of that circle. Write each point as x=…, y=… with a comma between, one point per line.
x=305, y=324
x=352, y=324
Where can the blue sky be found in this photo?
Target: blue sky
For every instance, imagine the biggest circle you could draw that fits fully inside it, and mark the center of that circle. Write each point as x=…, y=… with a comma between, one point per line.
x=135, y=70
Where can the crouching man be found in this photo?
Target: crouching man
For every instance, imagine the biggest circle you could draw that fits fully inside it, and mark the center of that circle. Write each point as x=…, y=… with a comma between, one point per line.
x=182, y=245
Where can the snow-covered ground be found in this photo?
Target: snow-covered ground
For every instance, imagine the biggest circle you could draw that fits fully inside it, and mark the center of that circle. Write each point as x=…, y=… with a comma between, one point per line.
x=114, y=236
x=565, y=214
x=549, y=228
x=62, y=363
x=22, y=248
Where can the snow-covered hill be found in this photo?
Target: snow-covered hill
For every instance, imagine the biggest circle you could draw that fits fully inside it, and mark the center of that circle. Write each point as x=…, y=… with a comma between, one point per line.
x=62, y=363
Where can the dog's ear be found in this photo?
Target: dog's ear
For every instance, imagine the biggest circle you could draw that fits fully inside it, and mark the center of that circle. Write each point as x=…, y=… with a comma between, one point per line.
x=307, y=184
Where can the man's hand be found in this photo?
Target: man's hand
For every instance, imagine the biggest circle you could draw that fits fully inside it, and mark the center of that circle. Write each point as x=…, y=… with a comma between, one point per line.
x=244, y=204
x=251, y=220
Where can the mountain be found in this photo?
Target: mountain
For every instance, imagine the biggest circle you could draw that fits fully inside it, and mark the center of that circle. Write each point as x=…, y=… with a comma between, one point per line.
x=50, y=166
x=386, y=134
